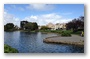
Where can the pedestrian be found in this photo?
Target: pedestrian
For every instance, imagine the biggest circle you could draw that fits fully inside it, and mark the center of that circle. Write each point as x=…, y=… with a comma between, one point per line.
x=82, y=33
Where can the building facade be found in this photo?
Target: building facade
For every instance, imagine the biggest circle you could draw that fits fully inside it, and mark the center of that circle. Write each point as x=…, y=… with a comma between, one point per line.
x=57, y=26
x=51, y=25
x=60, y=26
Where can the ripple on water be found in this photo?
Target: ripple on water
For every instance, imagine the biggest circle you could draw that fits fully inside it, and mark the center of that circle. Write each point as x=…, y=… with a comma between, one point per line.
x=33, y=43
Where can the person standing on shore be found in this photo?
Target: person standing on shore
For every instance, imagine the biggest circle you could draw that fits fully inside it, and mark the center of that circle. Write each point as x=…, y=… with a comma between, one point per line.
x=82, y=33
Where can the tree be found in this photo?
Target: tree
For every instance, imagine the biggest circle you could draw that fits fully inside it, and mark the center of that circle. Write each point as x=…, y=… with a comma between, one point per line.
x=44, y=28
x=76, y=24
x=22, y=23
x=28, y=26
x=35, y=26
x=9, y=26
x=31, y=26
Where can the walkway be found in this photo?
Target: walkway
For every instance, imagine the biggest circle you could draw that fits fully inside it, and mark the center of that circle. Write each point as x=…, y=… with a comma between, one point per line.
x=74, y=39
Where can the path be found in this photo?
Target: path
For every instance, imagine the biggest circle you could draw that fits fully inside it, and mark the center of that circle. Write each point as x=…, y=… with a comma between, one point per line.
x=74, y=39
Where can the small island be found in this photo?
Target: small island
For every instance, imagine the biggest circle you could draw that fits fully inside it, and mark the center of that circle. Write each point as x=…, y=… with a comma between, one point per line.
x=73, y=40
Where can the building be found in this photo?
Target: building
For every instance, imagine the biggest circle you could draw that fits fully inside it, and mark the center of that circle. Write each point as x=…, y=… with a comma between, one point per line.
x=60, y=26
x=50, y=25
x=57, y=26
x=39, y=27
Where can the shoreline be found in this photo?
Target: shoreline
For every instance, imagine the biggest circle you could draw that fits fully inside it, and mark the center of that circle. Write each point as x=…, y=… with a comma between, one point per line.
x=73, y=40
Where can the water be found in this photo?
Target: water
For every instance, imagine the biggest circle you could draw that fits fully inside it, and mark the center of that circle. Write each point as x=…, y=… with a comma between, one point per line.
x=26, y=42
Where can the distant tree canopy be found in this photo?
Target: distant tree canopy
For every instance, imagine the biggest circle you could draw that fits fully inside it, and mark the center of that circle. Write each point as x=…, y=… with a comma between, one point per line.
x=31, y=26
x=35, y=26
x=22, y=23
x=44, y=28
x=76, y=24
x=9, y=27
x=28, y=26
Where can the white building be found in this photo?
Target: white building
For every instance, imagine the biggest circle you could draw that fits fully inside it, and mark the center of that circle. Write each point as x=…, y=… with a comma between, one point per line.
x=51, y=25
x=39, y=27
x=60, y=26
x=56, y=26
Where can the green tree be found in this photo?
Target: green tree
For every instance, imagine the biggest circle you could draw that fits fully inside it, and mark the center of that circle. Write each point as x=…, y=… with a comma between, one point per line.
x=28, y=26
x=31, y=26
x=44, y=28
x=76, y=24
x=35, y=26
x=9, y=27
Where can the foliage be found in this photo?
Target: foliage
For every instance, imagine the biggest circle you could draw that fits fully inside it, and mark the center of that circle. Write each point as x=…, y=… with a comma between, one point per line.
x=28, y=26
x=61, y=31
x=78, y=32
x=76, y=24
x=65, y=33
x=9, y=49
x=22, y=23
x=10, y=27
x=44, y=28
x=31, y=26
x=55, y=31
x=35, y=26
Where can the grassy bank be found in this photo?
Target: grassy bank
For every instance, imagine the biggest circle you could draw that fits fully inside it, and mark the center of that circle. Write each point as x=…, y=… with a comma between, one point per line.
x=9, y=49
x=29, y=31
x=61, y=32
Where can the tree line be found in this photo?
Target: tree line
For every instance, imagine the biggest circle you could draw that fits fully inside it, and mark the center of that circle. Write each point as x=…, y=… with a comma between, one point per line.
x=76, y=24
x=10, y=27
x=31, y=26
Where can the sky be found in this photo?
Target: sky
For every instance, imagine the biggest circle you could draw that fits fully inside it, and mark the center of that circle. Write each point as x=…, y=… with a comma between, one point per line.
x=42, y=13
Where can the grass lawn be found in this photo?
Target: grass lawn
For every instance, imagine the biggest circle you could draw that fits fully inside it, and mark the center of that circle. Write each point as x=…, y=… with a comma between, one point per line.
x=9, y=49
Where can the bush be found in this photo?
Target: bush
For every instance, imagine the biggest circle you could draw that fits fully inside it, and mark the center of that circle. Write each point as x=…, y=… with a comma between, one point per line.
x=9, y=49
x=65, y=34
x=80, y=30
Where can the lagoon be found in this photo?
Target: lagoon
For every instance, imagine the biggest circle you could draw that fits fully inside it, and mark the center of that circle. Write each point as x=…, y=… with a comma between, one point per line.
x=26, y=42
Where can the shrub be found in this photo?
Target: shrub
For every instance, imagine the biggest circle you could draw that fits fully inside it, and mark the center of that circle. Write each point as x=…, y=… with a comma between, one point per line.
x=9, y=49
x=65, y=33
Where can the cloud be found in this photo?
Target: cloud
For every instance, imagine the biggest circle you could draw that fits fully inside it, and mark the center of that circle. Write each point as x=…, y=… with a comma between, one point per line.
x=51, y=16
x=41, y=7
x=40, y=19
x=47, y=18
x=9, y=18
